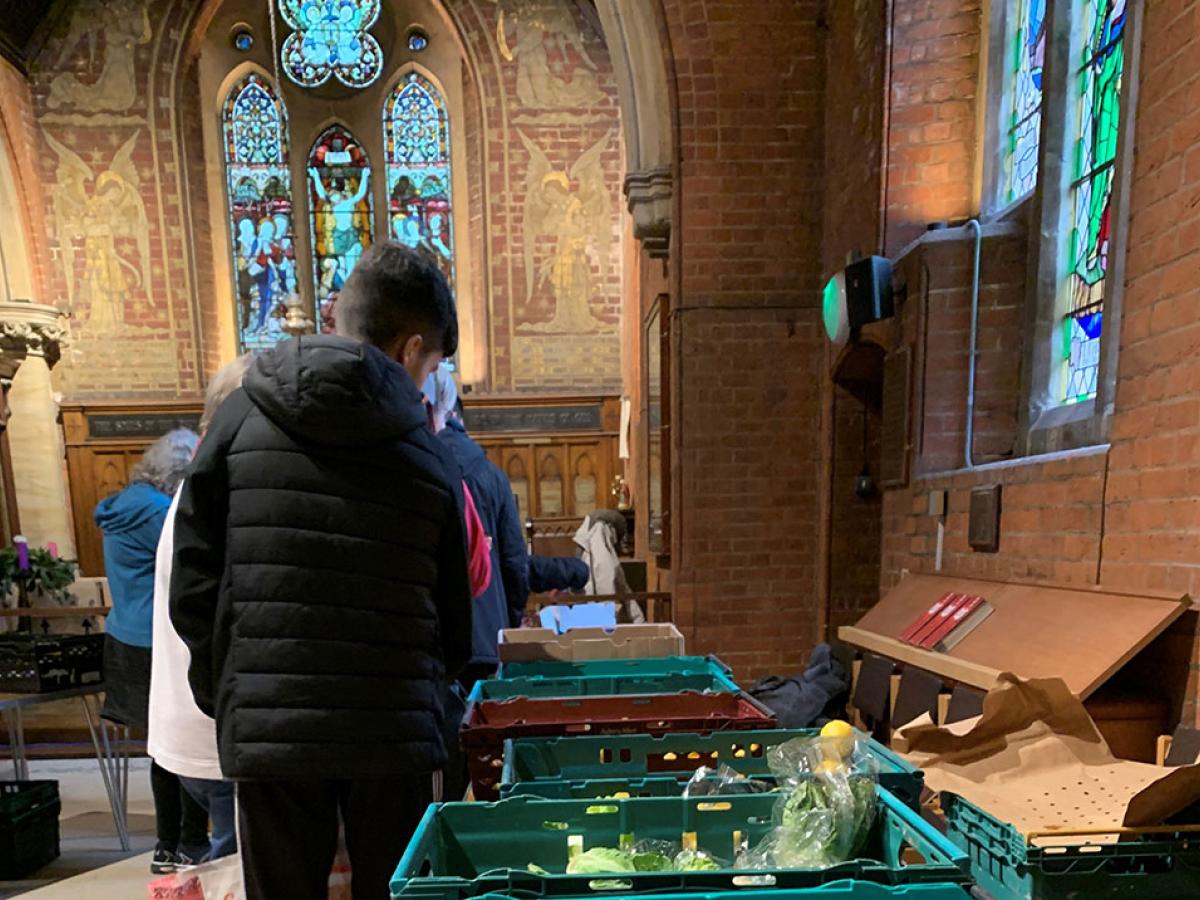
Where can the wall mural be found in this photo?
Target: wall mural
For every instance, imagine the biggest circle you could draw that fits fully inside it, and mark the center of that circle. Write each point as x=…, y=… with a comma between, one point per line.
x=555, y=197
x=103, y=93
x=100, y=46
x=542, y=28
x=573, y=209
x=100, y=210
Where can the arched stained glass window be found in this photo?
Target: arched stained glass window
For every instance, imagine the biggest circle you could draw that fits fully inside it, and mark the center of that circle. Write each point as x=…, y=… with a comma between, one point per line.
x=1023, y=129
x=260, y=210
x=331, y=38
x=339, y=196
x=416, y=139
x=1099, y=75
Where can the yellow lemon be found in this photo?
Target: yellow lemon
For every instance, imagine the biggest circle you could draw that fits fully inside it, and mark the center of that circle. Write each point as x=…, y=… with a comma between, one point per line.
x=837, y=739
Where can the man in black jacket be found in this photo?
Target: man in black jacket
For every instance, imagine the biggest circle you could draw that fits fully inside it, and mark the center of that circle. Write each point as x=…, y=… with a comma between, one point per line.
x=320, y=583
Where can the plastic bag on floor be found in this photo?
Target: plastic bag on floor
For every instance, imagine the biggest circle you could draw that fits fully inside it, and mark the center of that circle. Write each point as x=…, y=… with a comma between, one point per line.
x=222, y=880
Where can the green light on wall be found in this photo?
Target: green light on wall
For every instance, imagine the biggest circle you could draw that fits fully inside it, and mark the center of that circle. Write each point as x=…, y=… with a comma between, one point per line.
x=833, y=309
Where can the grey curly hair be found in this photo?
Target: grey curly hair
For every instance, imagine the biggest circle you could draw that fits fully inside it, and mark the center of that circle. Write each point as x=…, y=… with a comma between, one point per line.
x=165, y=463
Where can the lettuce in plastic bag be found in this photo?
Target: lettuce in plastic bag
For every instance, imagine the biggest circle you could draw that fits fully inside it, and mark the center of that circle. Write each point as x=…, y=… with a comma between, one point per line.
x=601, y=860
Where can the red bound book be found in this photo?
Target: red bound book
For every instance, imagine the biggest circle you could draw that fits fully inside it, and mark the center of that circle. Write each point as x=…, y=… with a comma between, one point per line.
x=964, y=624
x=964, y=609
x=922, y=620
x=941, y=624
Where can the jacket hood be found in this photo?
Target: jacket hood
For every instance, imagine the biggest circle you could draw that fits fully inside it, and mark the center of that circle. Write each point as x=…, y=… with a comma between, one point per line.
x=130, y=509
x=466, y=452
x=331, y=390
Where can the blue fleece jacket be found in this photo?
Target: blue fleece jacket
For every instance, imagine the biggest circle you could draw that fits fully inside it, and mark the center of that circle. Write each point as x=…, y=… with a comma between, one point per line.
x=132, y=522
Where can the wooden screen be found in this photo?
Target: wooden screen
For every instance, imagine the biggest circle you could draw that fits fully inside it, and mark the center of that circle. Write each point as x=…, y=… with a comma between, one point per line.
x=104, y=442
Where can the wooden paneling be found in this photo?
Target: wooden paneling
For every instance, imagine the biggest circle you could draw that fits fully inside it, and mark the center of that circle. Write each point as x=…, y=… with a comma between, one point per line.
x=104, y=441
x=560, y=453
x=560, y=473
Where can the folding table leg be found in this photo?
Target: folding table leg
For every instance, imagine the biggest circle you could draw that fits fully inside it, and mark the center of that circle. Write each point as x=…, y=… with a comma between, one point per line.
x=10, y=719
x=96, y=727
x=22, y=758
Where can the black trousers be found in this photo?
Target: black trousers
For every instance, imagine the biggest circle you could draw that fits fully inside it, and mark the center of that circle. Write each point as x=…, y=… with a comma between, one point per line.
x=182, y=823
x=289, y=829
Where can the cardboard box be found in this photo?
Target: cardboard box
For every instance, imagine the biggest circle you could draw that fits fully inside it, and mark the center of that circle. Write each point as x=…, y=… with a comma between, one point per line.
x=619, y=642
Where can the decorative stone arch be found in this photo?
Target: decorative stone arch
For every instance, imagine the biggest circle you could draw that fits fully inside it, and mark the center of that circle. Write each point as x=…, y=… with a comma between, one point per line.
x=640, y=60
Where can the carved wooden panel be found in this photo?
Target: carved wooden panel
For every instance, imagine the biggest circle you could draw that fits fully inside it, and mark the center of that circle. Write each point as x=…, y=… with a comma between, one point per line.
x=897, y=394
x=550, y=480
x=104, y=441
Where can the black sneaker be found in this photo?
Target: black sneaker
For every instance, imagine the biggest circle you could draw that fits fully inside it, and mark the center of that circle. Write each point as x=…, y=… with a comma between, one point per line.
x=186, y=859
x=164, y=862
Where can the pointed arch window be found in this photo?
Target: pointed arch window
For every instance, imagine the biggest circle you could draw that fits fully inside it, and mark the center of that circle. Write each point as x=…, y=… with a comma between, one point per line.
x=258, y=182
x=416, y=139
x=340, y=212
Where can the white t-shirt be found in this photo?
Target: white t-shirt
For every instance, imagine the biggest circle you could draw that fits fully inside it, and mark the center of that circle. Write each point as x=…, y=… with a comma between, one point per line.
x=181, y=738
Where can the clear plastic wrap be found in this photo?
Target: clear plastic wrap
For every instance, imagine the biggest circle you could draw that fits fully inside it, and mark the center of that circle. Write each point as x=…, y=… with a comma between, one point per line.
x=723, y=781
x=826, y=805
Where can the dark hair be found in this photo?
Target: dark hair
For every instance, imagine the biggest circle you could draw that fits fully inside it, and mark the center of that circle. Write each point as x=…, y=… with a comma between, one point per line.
x=458, y=408
x=395, y=292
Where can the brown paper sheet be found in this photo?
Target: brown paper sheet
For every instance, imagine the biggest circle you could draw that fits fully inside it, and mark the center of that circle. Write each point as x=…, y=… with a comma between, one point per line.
x=1034, y=759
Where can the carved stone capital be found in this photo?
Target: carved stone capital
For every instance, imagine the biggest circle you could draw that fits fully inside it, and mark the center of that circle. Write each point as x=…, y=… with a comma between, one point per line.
x=29, y=329
x=649, y=196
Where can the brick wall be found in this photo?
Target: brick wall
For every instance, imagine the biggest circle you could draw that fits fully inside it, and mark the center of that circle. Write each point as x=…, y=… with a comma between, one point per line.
x=935, y=49
x=856, y=523
x=1124, y=517
x=746, y=413
x=21, y=138
x=856, y=49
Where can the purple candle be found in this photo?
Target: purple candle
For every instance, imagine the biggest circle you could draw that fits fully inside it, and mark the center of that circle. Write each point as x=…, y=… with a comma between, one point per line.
x=22, y=546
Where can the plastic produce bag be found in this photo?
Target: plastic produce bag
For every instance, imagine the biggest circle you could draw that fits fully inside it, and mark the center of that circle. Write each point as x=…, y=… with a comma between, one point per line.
x=826, y=805
x=723, y=781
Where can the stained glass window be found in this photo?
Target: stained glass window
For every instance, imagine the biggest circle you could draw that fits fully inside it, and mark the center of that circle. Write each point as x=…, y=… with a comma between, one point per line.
x=260, y=209
x=1023, y=135
x=339, y=196
x=1098, y=78
x=416, y=137
x=331, y=38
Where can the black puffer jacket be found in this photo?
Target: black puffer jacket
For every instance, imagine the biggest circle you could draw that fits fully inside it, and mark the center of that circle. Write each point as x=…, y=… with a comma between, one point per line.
x=320, y=573
x=503, y=603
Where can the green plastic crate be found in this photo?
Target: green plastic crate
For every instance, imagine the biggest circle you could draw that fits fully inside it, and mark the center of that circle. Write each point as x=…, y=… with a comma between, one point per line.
x=642, y=765
x=463, y=850
x=848, y=889
x=658, y=665
x=1162, y=866
x=693, y=673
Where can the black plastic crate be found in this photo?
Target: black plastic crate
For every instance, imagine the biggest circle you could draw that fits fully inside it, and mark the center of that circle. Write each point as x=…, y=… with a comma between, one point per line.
x=29, y=813
x=33, y=664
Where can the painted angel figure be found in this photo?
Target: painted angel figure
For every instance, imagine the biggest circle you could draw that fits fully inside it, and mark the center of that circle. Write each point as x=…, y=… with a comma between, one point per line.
x=575, y=209
x=535, y=23
x=112, y=210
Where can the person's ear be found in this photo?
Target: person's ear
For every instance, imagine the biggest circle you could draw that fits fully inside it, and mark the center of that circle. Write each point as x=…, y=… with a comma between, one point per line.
x=410, y=352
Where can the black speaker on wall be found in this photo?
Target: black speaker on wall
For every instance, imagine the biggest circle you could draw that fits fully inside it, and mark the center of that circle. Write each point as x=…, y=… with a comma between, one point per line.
x=858, y=295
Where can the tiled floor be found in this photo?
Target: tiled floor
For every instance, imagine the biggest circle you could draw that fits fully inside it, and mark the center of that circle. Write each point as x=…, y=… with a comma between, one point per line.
x=88, y=839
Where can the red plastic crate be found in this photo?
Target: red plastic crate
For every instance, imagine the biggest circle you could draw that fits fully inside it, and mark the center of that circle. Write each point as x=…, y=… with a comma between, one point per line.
x=487, y=724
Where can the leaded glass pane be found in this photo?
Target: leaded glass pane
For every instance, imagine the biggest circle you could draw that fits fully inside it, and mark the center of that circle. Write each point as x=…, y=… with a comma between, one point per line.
x=339, y=192
x=331, y=38
x=260, y=210
x=1099, y=99
x=416, y=137
x=1025, y=99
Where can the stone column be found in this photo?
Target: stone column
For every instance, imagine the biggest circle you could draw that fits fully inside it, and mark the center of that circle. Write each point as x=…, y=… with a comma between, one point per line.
x=31, y=341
